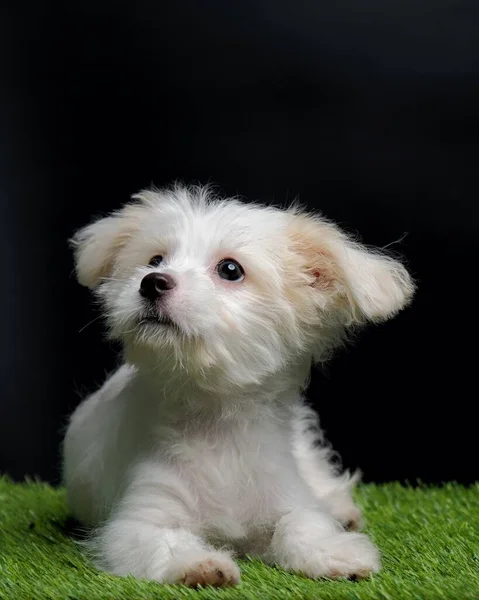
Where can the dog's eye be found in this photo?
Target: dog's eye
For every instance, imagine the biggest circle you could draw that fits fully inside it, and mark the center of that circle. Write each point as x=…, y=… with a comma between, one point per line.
x=230, y=270
x=156, y=260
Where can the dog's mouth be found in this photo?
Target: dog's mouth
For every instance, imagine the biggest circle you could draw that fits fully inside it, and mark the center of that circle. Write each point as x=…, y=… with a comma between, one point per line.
x=158, y=321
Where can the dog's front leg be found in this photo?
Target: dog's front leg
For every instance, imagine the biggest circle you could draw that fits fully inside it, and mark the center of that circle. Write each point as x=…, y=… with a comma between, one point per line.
x=309, y=541
x=151, y=534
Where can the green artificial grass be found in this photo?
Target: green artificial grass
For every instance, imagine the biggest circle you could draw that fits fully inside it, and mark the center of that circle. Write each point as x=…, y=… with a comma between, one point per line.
x=429, y=539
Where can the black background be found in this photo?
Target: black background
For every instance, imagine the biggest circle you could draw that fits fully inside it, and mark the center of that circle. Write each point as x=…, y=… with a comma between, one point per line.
x=368, y=110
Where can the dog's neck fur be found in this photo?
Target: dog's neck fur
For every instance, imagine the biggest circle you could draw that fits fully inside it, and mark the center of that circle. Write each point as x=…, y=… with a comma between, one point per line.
x=211, y=394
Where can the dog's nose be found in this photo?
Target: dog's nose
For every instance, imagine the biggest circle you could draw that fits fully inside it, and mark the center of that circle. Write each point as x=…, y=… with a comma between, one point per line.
x=154, y=285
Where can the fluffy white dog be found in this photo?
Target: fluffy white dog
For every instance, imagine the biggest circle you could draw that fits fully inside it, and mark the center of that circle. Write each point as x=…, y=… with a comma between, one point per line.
x=201, y=445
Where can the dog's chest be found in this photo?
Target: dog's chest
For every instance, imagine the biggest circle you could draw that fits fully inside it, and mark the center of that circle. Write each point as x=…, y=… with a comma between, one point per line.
x=233, y=470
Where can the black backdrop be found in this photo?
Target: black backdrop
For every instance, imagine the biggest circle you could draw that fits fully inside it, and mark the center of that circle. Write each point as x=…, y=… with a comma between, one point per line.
x=368, y=110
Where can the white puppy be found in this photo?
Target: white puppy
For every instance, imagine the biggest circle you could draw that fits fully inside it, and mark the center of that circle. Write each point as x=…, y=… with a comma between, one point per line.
x=200, y=444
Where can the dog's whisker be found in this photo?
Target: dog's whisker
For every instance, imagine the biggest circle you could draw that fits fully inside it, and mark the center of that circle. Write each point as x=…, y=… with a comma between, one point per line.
x=90, y=323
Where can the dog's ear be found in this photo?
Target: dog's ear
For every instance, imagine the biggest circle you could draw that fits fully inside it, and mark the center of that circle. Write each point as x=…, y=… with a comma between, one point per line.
x=97, y=245
x=377, y=285
x=366, y=284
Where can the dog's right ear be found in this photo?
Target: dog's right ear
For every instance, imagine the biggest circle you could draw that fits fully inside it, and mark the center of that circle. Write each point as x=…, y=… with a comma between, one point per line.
x=97, y=245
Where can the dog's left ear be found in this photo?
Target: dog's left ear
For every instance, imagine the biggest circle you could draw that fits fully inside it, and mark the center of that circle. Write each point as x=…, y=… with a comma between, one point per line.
x=366, y=284
x=378, y=286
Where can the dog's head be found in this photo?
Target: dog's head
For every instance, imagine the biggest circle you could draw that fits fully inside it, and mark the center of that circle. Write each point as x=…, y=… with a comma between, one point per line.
x=221, y=286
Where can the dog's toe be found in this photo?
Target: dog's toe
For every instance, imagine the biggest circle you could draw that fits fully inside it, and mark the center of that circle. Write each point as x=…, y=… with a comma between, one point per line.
x=214, y=572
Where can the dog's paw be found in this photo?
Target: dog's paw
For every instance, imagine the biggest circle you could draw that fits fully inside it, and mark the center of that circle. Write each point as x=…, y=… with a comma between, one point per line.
x=340, y=505
x=341, y=556
x=349, y=515
x=346, y=555
x=214, y=568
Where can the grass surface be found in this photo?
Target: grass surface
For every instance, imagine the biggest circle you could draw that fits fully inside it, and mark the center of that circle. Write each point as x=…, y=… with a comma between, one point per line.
x=429, y=539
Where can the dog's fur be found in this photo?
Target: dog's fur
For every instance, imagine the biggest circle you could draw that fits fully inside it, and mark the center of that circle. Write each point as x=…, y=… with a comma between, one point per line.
x=200, y=444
